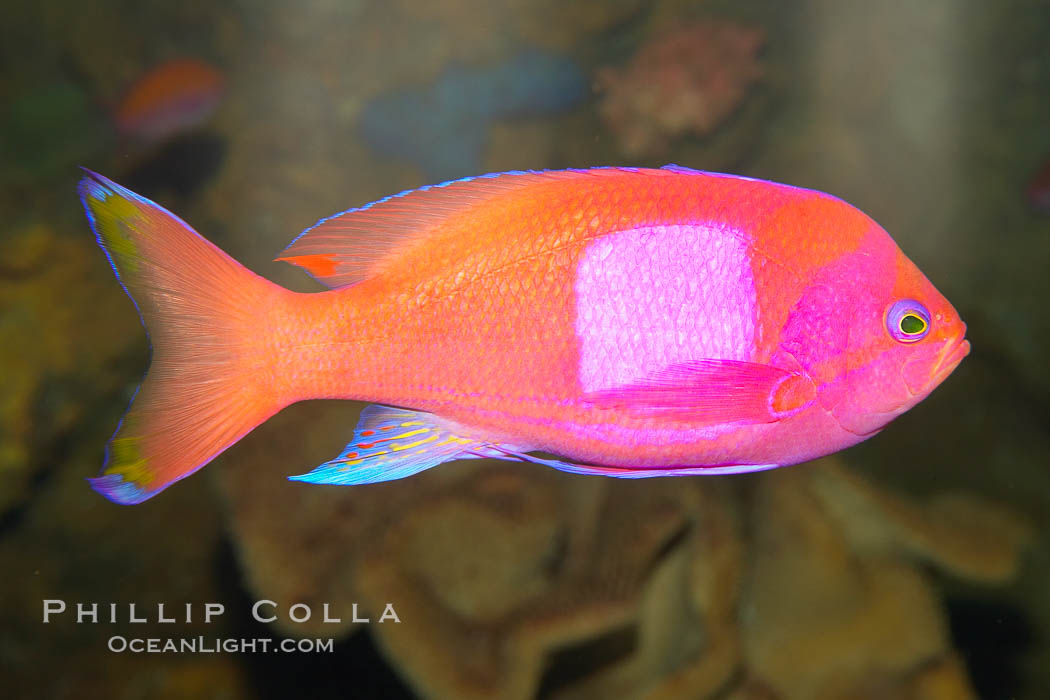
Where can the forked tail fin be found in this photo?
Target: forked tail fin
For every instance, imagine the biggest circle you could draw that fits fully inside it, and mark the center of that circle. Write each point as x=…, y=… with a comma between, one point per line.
x=206, y=314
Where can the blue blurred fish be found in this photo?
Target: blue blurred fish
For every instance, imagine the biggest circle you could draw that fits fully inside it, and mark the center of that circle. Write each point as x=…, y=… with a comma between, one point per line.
x=442, y=127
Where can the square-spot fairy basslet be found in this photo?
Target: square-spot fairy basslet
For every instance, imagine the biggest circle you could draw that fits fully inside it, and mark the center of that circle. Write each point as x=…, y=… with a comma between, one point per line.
x=635, y=322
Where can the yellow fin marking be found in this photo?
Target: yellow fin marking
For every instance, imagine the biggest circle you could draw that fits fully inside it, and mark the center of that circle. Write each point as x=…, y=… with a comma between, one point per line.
x=126, y=459
x=112, y=216
x=398, y=448
x=410, y=433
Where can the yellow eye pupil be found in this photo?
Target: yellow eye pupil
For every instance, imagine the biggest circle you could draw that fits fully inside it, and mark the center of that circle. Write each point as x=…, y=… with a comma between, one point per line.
x=912, y=324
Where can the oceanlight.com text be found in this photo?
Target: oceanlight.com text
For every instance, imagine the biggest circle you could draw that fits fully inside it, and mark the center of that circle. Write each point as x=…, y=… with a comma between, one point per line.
x=218, y=645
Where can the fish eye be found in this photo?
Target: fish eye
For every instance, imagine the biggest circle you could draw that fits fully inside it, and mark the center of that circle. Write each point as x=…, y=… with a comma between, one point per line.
x=908, y=321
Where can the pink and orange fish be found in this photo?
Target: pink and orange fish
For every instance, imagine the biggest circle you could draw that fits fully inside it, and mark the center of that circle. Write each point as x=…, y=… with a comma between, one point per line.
x=633, y=322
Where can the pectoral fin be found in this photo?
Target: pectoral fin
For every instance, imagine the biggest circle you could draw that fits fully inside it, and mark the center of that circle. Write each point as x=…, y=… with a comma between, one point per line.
x=713, y=392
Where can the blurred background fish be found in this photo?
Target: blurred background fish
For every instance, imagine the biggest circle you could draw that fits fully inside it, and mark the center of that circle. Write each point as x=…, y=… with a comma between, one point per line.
x=1038, y=190
x=177, y=96
x=444, y=127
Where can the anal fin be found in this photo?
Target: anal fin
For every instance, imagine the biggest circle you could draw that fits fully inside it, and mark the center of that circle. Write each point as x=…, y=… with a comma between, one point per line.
x=632, y=472
x=392, y=443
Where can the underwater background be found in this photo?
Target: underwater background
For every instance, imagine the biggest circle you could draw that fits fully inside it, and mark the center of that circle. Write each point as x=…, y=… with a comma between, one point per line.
x=915, y=566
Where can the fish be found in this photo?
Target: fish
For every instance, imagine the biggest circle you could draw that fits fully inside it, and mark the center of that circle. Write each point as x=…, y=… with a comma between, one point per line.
x=1038, y=190
x=174, y=97
x=443, y=127
x=614, y=321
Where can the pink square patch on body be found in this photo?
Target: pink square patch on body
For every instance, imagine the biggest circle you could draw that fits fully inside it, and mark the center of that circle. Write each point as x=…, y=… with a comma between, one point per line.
x=652, y=297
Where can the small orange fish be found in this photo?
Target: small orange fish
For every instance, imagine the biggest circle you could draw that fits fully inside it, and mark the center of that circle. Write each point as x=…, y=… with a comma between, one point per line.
x=173, y=97
x=1038, y=190
x=636, y=322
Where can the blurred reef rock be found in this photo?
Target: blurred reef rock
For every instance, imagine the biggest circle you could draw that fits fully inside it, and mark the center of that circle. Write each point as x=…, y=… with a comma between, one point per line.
x=529, y=581
x=685, y=81
x=839, y=602
x=72, y=350
x=53, y=289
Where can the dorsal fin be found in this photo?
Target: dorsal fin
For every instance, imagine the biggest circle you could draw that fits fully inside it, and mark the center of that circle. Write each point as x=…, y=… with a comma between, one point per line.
x=357, y=243
x=675, y=168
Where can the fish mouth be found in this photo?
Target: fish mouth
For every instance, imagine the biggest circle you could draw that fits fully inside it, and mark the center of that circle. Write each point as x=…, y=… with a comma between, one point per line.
x=922, y=375
x=950, y=359
x=919, y=379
